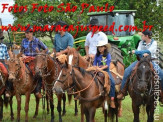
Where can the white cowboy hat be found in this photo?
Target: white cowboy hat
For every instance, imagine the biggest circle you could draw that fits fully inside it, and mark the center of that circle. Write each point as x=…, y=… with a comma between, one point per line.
x=103, y=43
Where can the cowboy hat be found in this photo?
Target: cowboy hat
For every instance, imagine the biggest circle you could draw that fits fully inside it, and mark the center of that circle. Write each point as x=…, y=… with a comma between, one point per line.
x=103, y=43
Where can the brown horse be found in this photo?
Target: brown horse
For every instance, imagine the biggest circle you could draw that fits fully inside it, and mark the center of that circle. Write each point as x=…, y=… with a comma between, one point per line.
x=48, y=70
x=141, y=89
x=87, y=85
x=23, y=83
x=3, y=79
x=117, y=69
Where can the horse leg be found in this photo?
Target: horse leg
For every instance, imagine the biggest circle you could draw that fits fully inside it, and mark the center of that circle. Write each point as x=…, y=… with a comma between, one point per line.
x=64, y=104
x=86, y=112
x=59, y=109
x=27, y=99
x=92, y=115
x=1, y=108
x=82, y=113
x=76, y=107
x=135, y=109
x=37, y=105
x=18, y=97
x=47, y=101
x=120, y=108
x=11, y=109
x=52, y=107
x=150, y=113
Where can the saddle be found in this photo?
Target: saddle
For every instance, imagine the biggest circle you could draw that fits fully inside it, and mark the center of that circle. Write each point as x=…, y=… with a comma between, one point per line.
x=30, y=64
x=103, y=78
x=3, y=69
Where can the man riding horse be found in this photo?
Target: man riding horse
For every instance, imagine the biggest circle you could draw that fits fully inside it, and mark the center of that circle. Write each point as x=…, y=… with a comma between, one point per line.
x=4, y=55
x=62, y=40
x=146, y=47
x=29, y=46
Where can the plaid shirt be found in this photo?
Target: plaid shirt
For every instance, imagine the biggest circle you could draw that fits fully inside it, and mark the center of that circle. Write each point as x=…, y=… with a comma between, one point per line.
x=29, y=47
x=3, y=52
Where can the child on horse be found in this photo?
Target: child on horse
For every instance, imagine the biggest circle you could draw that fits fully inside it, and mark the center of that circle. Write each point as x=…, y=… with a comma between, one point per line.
x=102, y=61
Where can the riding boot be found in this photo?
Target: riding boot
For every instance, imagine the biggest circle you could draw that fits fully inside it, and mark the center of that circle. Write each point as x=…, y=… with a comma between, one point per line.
x=9, y=87
x=123, y=92
x=112, y=103
x=38, y=88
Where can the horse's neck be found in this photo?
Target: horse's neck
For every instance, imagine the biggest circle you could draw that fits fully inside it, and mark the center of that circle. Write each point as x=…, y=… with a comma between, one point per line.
x=82, y=82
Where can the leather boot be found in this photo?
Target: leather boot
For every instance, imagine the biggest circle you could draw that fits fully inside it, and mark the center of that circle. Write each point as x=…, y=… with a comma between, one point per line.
x=112, y=104
x=123, y=92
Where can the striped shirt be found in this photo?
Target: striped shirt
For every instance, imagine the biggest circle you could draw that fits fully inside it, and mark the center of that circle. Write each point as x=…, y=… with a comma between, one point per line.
x=3, y=52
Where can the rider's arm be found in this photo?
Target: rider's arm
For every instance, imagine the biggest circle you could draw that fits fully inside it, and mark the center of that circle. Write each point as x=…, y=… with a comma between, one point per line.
x=42, y=45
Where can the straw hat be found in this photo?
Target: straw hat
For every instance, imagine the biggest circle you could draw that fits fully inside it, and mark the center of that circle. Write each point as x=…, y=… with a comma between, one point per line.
x=103, y=43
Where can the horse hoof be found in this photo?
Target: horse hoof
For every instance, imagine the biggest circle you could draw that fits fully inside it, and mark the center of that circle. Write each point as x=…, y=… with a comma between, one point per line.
x=12, y=118
x=64, y=113
x=52, y=120
x=18, y=120
x=60, y=120
x=34, y=116
x=76, y=114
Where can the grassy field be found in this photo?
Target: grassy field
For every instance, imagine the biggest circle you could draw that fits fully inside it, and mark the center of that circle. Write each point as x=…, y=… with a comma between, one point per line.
x=69, y=117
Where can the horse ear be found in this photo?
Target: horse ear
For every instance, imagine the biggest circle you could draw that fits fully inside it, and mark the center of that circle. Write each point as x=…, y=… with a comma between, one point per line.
x=78, y=48
x=10, y=54
x=37, y=50
x=19, y=55
x=148, y=58
x=6, y=62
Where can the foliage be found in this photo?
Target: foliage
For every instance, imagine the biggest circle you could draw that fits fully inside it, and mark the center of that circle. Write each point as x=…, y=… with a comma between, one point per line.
x=146, y=10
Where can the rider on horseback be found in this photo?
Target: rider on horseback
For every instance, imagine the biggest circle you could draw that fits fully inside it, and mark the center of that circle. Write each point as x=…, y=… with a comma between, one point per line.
x=62, y=40
x=4, y=55
x=146, y=46
x=29, y=47
x=102, y=61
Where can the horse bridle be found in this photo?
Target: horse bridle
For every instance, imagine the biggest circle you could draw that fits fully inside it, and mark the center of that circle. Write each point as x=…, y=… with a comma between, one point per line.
x=146, y=92
x=19, y=67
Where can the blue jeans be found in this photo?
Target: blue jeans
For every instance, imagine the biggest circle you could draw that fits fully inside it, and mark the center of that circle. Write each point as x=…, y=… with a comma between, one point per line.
x=112, y=88
x=129, y=69
x=127, y=73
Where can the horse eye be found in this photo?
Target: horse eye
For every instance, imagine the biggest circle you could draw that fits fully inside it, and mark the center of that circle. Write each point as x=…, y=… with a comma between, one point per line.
x=63, y=75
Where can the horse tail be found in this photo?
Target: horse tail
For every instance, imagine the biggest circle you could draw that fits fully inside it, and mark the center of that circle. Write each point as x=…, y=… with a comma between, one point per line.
x=6, y=101
x=69, y=98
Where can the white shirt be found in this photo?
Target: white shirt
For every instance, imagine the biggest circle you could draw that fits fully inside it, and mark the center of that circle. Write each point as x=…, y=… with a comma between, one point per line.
x=152, y=47
x=92, y=42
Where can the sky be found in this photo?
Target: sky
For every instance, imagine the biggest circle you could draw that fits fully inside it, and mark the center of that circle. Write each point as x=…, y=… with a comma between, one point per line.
x=7, y=18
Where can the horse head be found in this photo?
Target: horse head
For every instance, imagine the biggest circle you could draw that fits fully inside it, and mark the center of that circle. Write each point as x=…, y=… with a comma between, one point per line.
x=75, y=59
x=64, y=80
x=144, y=75
x=14, y=65
x=41, y=63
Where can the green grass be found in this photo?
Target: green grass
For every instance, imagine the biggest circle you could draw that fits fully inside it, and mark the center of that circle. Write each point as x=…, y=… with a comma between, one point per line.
x=69, y=117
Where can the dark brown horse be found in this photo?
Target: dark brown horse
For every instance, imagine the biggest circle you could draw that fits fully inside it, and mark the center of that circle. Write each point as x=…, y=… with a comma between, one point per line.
x=48, y=70
x=23, y=83
x=141, y=88
x=117, y=69
x=3, y=79
x=88, y=89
